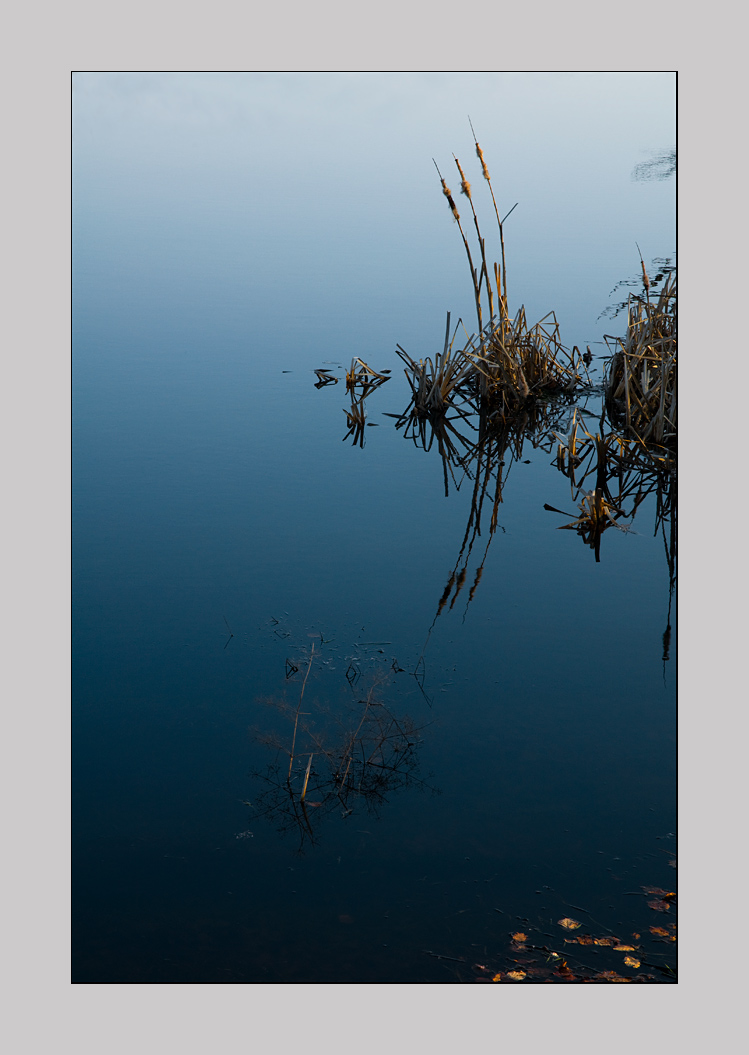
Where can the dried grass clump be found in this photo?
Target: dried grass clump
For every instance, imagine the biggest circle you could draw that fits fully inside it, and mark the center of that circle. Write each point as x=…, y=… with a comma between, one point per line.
x=640, y=385
x=359, y=375
x=518, y=363
x=436, y=385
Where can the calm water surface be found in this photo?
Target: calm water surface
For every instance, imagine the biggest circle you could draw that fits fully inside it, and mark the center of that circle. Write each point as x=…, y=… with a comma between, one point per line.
x=232, y=234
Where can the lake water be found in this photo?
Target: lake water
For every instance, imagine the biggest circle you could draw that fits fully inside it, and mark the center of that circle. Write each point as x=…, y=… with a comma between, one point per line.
x=516, y=763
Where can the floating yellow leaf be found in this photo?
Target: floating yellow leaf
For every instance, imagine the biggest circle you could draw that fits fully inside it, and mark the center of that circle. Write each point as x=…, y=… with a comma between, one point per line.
x=612, y=976
x=570, y=924
x=659, y=906
x=624, y=948
x=631, y=961
x=605, y=941
x=519, y=936
x=497, y=977
x=661, y=931
x=517, y=976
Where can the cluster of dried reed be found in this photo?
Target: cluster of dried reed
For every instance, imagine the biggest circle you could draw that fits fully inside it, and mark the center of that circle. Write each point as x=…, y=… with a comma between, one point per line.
x=440, y=385
x=517, y=362
x=508, y=363
x=362, y=377
x=640, y=385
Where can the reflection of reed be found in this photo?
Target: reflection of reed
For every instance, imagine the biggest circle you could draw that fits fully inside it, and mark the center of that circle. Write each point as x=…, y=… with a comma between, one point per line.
x=362, y=377
x=623, y=472
x=485, y=458
x=341, y=762
x=610, y=471
x=356, y=419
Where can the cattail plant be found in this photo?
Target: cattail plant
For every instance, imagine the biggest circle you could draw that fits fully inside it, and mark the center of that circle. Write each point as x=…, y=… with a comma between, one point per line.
x=511, y=361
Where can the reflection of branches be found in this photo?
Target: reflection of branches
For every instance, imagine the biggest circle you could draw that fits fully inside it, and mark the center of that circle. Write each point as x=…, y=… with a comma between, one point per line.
x=660, y=268
x=660, y=166
x=359, y=758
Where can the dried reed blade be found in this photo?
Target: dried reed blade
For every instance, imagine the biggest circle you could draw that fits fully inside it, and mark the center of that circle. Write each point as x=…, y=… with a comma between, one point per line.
x=306, y=778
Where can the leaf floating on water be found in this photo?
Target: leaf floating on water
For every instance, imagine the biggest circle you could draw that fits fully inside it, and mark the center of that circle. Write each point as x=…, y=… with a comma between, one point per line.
x=624, y=948
x=659, y=906
x=661, y=931
x=519, y=936
x=631, y=961
x=569, y=924
x=517, y=976
x=612, y=976
x=497, y=977
x=606, y=941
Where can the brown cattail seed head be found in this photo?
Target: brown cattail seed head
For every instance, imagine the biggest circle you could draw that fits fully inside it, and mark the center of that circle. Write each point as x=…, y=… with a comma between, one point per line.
x=645, y=278
x=448, y=194
x=465, y=186
x=484, y=169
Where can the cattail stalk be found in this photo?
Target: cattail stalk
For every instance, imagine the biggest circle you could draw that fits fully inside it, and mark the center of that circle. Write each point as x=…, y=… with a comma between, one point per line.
x=503, y=291
x=476, y=289
x=465, y=188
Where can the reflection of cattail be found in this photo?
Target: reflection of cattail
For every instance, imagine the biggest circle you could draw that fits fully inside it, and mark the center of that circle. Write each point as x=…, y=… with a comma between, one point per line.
x=459, y=585
x=446, y=593
x=479, y=573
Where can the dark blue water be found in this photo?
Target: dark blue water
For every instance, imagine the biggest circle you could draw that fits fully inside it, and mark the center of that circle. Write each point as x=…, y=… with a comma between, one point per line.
x=231, y=235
